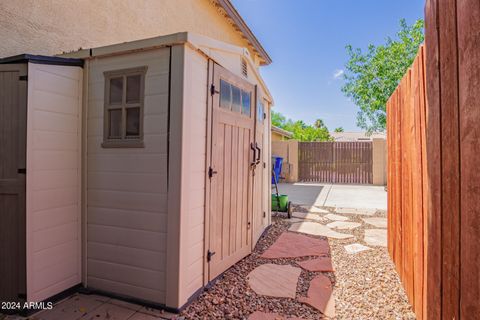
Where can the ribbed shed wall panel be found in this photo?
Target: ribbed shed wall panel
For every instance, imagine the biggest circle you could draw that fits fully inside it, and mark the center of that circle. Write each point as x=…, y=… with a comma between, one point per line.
x=127, y=187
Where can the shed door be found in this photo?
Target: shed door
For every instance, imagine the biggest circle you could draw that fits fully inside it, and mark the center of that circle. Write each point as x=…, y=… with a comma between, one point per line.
x=259, y=186
x=232, y=134
x=13, y=93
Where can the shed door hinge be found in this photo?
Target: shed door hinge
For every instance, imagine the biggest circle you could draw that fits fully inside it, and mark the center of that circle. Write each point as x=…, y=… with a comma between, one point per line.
x=210, y=255
x=264, y=116
x=23, y=78
x=264, y=214
x=211, y=172
x=213, y=90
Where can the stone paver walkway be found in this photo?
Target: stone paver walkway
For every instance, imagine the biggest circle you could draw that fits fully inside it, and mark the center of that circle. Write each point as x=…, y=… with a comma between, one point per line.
x=335, y=217
x=320, y=296
x=292, y=245
x=376, y=237
x=317, y=265
x=377, y=222
x=355, y=248
x=344, y=225
x=318, y=229
x=274, y=280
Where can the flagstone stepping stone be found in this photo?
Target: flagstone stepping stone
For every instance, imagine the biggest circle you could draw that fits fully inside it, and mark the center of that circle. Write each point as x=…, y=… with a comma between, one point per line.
x=356, y=248
x=344, y=225
x=308, y=216
x=377, y=222
x=316, y=265
x=258, y=315
x=317, y=229
x=335, y=217
x=274, y=280
x=293, y=245
x=315, y=209
x=376, y=237
x=320, y=296
x=362, y=212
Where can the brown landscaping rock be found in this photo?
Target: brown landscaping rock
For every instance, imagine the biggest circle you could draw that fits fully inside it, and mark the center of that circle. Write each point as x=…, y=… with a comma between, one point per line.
x=320, y=296
x=258, y=315
x=316, y=265
x=292, y=245
x=274, y=280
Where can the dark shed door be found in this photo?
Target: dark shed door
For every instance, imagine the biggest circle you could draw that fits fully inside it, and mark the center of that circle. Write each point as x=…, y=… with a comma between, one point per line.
x=13, y=105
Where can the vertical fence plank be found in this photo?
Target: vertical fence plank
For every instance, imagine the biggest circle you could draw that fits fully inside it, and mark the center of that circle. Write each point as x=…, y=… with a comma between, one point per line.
x=450, y=170
x=433, y=159
x=468, y=13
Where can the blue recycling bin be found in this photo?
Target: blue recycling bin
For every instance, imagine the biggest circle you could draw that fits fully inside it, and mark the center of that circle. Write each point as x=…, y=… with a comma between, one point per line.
x=277, y=168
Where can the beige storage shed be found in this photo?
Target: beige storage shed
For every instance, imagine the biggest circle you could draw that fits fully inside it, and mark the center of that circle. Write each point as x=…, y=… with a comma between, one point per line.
x=175, y=166
x=40, y=176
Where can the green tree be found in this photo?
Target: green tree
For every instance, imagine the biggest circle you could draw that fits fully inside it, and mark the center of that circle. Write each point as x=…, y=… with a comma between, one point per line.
x=339, y=129
x=371, y=77
x=300, y=130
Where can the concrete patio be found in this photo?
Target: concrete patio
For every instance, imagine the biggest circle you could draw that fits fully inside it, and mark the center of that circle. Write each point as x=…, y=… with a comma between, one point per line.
x=336, y=195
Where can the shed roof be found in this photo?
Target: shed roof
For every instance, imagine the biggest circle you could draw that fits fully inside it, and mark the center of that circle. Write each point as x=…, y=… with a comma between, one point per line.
x=24, y=58
x=200, y=42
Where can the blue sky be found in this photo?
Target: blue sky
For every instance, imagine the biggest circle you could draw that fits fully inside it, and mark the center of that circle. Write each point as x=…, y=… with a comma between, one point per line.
x=306, y=40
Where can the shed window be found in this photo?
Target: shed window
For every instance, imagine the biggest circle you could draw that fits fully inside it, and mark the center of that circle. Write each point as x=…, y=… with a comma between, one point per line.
x=225, y=94
x=246, y=103
x=235, y=99
x=260, y=111
x=124, y=98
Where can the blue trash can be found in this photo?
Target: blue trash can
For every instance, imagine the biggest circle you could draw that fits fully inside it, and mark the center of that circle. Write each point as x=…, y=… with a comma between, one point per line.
x=277, y=168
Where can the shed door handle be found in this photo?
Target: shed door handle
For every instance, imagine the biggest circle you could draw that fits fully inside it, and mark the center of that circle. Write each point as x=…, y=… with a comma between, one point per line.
x=22, y=171
x=252, y=146
x=259, y=153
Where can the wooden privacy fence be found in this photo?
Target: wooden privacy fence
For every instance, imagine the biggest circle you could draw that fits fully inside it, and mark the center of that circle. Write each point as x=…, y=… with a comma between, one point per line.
x=433, y=136
x=406, y=180
x=335, y=162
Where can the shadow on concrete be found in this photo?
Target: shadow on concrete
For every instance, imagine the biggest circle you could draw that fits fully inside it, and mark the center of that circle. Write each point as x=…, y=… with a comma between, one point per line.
x=304, y=193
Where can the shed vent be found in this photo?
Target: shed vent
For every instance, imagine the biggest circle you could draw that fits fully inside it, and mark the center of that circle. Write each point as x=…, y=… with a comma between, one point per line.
x=244, y=68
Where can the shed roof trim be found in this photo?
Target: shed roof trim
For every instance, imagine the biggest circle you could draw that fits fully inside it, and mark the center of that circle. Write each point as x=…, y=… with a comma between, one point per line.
x=23, y=58
x=242, y=26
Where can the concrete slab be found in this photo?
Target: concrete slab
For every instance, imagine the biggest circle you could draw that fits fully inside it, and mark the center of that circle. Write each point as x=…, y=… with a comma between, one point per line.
x=293, y=245
x=356, y=248
x=109, y=311
x=317, y=229
x=335, y=217
x=336, y=195
x=377, y=222
x=274, y=280
x=357, y=196
x=73, y=307
x=308, y=194
x=344, y=225
x=376, y=237
x=320, y=296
